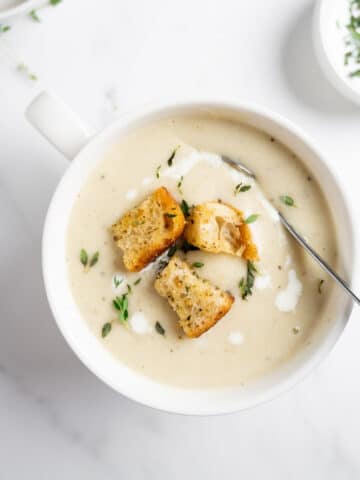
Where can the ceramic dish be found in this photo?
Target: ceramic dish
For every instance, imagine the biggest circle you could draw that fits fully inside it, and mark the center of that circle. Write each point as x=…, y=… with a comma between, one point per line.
x=330, y=35
x=59, y=125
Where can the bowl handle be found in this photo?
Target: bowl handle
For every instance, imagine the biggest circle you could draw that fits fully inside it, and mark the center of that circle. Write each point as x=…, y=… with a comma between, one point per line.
x=58, y=124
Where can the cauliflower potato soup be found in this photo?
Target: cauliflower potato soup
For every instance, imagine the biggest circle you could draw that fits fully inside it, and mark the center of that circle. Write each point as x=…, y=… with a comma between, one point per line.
x=179, y=263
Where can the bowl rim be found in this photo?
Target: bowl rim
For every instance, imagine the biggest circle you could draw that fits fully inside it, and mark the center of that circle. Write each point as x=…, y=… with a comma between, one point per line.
x=324, y=60
x=146, y=113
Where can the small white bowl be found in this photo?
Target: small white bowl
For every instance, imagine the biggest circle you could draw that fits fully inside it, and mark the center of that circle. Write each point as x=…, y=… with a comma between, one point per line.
x=16, y=8
x=330, y=18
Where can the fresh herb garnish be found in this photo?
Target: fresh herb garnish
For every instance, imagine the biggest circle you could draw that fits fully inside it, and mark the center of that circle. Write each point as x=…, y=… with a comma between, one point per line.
x=170, y=215
x=185, y=208
x=54, y=2
x=287, y=200
x=94, y=259
x=121, y=304
x=22, y=67
x=171, y=158
x=34, y=15
x=352, y=39
x=179, y=184
x=157, y=172
x=171, y=251
x=128, y=288
x=4, y=28
x=159, y=328
x=356, y=73
x=240, y=188
x=137, y=281
x=347, y=57
x=117, y=281
x=246, y=284
x=197, y=264
x=106, y=329
x=320, y=286
x=84, y=257
x=251, y=218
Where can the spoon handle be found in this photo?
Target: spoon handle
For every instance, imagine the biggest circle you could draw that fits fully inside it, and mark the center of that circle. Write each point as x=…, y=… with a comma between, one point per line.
x=325, y=266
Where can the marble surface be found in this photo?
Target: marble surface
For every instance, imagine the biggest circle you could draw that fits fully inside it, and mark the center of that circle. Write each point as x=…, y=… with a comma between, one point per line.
x=104, y=58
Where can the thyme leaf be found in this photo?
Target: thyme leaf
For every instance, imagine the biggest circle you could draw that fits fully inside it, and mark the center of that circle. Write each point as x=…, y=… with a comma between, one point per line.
x=246, y=284
x=106, y=329
x=251, y=218
x=159, y=328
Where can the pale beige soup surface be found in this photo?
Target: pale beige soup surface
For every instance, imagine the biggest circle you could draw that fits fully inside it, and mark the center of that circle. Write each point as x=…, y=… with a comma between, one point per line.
x=258, y=334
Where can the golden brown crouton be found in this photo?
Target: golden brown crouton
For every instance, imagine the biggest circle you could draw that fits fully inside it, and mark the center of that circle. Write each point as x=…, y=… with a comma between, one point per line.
x=197, y=302
x=217, y=227
x=147, y=230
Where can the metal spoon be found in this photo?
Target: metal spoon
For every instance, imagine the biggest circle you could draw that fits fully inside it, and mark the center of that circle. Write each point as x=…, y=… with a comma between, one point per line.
x=324, y=265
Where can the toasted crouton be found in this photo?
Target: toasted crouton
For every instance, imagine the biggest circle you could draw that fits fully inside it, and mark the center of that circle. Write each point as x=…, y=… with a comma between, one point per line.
x=147, y=230
x=217, y=227
x=197, y=302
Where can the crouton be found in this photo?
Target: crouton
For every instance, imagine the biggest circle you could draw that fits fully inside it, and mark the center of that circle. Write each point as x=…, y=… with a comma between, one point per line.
x=147, y=230
x=219, y=228
x=197, y=302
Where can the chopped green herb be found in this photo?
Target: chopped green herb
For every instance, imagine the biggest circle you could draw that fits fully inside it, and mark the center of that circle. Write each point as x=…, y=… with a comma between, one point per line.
x=287, y=200
x=352, y=39
x=171, y=158
x=170, y=215
x=159, y=328
x=356, y=73
x=121, y=304
x=137, y=281
x=240, y=188
x=246, y=284
x=157, y=172
x=129, y=288
x=22, y=67
x=320, y=286
x=33, y=14
x=347, y=57
x=84, y=257
x=171, y=251
x=54, y=2
x=94, y=259
x=185, y=208
x=106, y=329
x=251, y=218
x=117, y=281
x=179, y=184
x=4, y=28
x=197, y=264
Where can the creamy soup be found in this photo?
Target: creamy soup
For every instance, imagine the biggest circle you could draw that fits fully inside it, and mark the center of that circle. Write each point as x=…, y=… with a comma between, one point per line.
x=290, y=293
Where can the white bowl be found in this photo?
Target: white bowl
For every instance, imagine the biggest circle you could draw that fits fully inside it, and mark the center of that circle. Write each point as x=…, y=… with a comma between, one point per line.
x=66, y=132
x=329, y=19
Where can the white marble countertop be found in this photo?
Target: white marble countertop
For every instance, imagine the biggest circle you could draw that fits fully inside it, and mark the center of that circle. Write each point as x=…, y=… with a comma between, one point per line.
x=56, y=419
